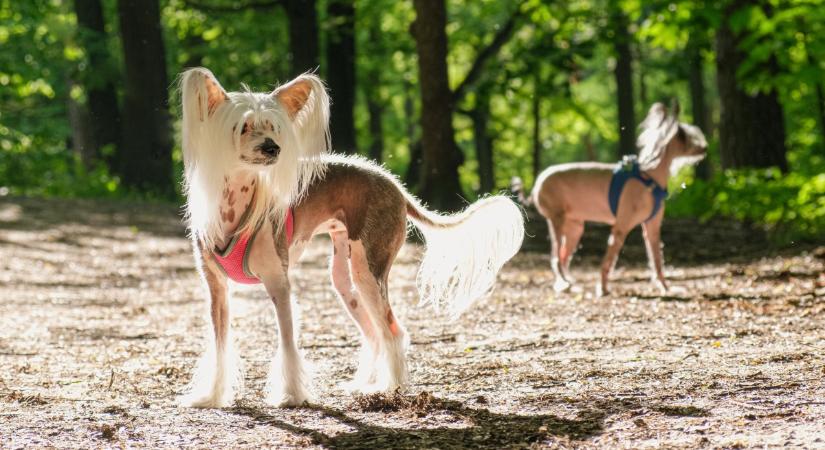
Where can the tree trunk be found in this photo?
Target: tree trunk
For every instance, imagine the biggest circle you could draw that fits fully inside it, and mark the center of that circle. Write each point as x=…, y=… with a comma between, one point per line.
x=376, y=112
x=752, y=128
x=146, y=152
x=641, y=74
x=81, y=143
x=820, y=102
x=480, y=116
x=303, y=35
x=341, y=73
x=624, y=83
x=413, y=173
x=537, y=165
x=439, y=184
x=101, y=105
x=820, y=97
x=696, y=84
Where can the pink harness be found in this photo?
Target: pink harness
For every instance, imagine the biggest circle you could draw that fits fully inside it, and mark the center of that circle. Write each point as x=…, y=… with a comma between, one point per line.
x=233, y=260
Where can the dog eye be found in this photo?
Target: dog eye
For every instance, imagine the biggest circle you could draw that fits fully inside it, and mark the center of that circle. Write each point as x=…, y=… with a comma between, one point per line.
x=244, y=129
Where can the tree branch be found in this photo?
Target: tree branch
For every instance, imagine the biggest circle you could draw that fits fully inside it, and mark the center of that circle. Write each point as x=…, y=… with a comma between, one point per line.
x=236, y=7
x=501, y=38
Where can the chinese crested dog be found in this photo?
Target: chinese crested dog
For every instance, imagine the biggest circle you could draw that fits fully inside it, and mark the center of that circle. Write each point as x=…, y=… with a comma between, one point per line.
x=259, y=186
x=622, y=195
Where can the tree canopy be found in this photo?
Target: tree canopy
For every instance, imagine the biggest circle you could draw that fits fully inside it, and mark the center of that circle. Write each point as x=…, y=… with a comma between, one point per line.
x=528, y=83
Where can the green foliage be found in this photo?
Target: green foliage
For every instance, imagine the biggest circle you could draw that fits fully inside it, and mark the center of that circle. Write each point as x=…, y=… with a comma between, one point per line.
x=791, y=206
x=560, y=52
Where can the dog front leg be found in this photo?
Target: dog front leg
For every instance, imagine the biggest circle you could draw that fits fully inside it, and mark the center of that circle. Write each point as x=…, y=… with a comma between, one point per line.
x=652, y=231
x=288, y=381
x=217, y=375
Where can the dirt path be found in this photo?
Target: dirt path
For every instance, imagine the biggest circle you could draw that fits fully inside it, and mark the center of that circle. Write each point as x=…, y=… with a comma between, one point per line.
x=101, y=318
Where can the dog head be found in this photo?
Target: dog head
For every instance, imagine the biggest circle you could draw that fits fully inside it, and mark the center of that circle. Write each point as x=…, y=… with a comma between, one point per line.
x=278, y=135
x=254, y=129
x=663, y=134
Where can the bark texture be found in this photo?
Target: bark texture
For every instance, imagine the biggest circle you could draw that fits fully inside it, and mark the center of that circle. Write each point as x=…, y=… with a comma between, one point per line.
x=752, y=128
x=101, y=105
x=145, y=157
x=624, y=82
x=438, y=181
x=303, y=35
x=340, y=72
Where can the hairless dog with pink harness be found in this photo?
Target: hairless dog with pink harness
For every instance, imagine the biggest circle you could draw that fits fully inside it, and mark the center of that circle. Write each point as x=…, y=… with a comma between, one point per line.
x=623, y=195
x=259, y=186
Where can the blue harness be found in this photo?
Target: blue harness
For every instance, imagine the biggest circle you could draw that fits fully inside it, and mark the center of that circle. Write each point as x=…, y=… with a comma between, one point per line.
x=626, y=169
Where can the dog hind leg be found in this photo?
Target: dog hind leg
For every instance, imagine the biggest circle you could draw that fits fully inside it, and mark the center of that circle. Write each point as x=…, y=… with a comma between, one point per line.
x=391, y=336
x=555, y=225
x=351, y=298
x=572, y=232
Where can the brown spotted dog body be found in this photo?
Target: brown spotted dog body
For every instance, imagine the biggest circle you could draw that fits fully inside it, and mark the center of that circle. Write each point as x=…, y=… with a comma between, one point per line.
x=568, y=195
x=265, y=152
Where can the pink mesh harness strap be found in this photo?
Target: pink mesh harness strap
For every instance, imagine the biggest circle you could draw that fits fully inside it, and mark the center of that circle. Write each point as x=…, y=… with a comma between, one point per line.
x=233, y=260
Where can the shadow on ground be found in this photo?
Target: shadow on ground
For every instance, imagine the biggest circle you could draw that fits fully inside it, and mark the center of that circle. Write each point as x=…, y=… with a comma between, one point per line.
x=484, y=429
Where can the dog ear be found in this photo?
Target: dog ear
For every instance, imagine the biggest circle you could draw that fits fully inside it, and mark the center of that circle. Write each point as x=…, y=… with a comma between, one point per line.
x=207, y=91
x=306, y=102
x=656, y=116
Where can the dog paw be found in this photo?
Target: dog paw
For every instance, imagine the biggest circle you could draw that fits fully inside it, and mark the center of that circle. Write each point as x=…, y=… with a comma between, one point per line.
x=296, y=396
x=560, y=285
x=289, y=400
x=193, y=400
x=601, y=291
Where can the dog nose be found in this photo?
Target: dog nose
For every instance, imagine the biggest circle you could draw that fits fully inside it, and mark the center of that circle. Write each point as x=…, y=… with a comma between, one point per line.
x=270, y=148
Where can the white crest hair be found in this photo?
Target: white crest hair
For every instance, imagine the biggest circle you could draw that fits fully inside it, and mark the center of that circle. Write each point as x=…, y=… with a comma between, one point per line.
x=657, y=130
x=211, y=142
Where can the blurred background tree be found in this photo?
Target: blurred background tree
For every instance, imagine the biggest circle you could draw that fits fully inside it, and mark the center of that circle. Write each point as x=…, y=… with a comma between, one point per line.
x=455, y=96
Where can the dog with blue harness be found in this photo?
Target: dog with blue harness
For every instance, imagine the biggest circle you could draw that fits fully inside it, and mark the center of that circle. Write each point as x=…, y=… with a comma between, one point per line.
x=621, y=195
x=629, y=168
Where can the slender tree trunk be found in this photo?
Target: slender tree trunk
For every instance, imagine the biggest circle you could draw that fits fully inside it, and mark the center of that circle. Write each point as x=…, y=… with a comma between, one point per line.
x=375, y=104
x=820, y=102
x=537, y=165
x=439, y=184
x=146, y=152
x=820, y=96
x=640, y=73
x=413, y=172
x=589, y=148
x=624, y=83
x=103, y=114
x=752, y=128
x=303, y=35
x=82, y=143
x=376, y=112
x=696, y=83
x=341, y=73
x=193, y=44
x=480, y=116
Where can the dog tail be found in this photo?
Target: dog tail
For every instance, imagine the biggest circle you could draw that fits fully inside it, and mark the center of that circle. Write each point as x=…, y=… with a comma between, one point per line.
x=465, y=251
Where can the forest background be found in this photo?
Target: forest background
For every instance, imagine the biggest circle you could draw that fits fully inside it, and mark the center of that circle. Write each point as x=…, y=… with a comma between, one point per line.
x=455, y=97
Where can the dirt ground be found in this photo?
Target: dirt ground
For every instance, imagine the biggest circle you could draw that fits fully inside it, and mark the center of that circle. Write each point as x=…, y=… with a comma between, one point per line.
x=102, y=318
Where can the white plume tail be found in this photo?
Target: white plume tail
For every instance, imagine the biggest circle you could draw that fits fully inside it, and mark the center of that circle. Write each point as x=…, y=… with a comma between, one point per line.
x=465, y=251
